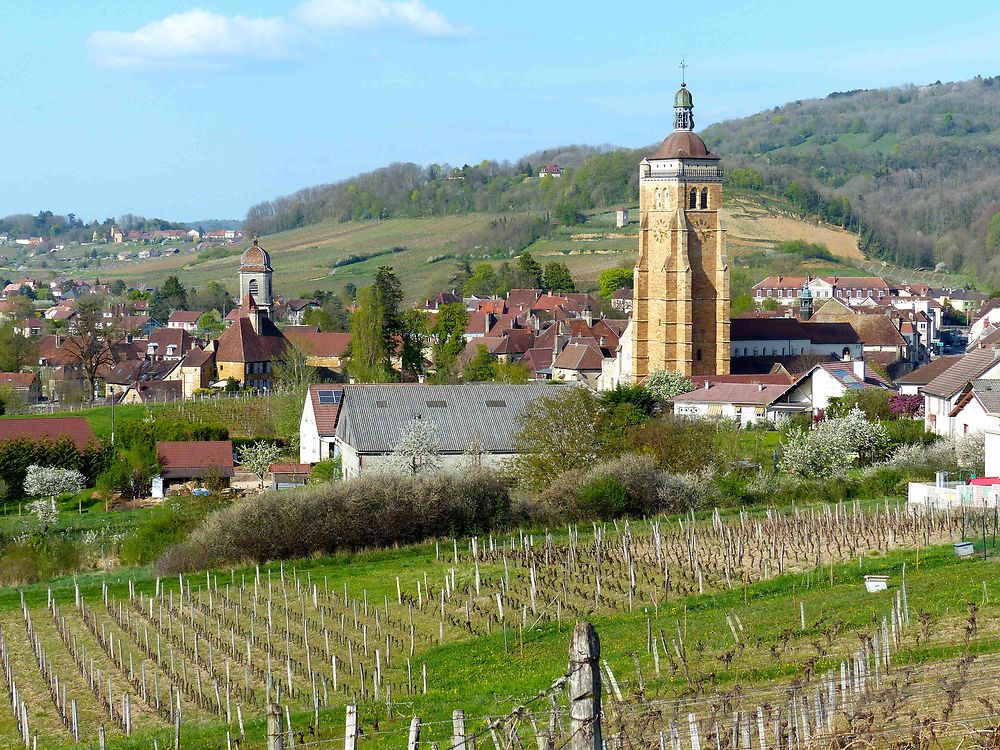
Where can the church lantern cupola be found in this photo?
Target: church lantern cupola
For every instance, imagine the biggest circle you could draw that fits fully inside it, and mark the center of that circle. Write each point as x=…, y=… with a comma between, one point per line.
x=683, y=109
x=255, y=277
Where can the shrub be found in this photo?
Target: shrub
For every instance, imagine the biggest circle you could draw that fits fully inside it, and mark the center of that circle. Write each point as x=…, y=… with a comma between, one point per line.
x=677, y=445
x=168, y=524
x=923, y=460
x=603, y=497
x=834, y=446
x=361, y=513
x=970, y=449
x=326, y=471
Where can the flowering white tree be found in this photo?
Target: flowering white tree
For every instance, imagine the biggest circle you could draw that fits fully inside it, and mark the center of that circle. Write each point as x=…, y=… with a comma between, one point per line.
x=417, y=450
x=47, y=481
x=666, y=384
x=970, y=449
x=258, y=458
x=834, y=446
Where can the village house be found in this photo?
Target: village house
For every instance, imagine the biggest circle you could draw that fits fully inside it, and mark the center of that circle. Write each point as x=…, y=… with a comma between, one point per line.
x=942, y=394
x=51, y=429
x=814, y=389
x=746, y=403
x=318, y=424
x=978, y=410
x=320, y=349
x=852, y=290
x=186, y=461
x=472, y=424
x=153, y=392
x=25, y=384
x=196, y=371
x=911, y=383
x=186, y=320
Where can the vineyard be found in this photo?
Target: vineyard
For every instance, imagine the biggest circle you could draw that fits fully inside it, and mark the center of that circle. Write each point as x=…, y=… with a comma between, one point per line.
x=727, y=631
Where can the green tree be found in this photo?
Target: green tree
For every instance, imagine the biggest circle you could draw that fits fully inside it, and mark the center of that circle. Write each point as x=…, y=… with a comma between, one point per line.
x=169, y=297
x=16, y=351
x=449, y=337
x=414, y=333
x=369, y=359
x=638, y=396
x=483, y=281
x=481, y=368
x=391, y=294
x=557, y=433
x=993, y=232
x=210, y=324
x=613, y=279
x=531, y=268
x=558, y=277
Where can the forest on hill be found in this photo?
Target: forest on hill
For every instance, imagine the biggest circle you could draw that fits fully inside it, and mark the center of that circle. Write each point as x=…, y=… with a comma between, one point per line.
x=915, y=170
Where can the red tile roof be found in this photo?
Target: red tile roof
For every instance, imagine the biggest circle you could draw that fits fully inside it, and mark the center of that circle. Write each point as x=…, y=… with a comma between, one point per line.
x=290, y=469
x=185, y=316
x=187, y=460
x=17, y=379
x=314, y=344
x=240, y=343
x=48, y=428
x=325, y=414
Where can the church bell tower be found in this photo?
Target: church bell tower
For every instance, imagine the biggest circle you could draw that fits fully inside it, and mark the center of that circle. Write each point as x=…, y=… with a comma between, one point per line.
x=680, y=307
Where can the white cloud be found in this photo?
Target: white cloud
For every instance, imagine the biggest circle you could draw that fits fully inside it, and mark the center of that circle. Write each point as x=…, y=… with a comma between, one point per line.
x=411, y=15
x=196, y=39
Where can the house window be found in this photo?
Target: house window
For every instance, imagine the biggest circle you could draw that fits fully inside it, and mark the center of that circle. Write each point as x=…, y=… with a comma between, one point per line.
x=693, y=198
x=768, y=292
x=704, y=197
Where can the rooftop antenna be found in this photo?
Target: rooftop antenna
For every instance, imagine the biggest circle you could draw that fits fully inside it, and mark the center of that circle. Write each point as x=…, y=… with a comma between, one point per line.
x=683, y=66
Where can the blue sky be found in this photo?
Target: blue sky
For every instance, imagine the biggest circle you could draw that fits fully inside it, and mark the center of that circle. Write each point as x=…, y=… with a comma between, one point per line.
x=196, y=110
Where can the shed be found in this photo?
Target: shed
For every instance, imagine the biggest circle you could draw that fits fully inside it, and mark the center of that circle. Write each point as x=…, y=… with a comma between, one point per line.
x=289, y=476
x=182, y=461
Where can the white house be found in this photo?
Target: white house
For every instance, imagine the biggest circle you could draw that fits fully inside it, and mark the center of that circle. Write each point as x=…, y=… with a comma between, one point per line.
x=828, y=380
x=319, y=423
x=943, y=393
x=978, y=410
x=911, y=383
x=744, y=403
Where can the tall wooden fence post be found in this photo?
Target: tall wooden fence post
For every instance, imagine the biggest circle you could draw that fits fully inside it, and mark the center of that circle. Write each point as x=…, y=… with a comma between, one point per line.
x=351, y=728
x=458, y=730
x=275, y=731
x=585, y=689
x=414, y=741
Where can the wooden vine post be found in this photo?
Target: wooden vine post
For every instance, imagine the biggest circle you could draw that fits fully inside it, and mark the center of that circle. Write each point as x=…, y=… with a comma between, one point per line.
x=585, y=689
x=275, y=731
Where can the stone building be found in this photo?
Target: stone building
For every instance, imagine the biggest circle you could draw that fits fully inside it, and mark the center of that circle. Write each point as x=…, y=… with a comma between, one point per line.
x=255, y=277
x=680, y=311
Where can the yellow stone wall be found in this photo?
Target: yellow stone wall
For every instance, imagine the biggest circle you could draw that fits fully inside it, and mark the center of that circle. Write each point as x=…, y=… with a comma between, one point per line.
x=680, y=314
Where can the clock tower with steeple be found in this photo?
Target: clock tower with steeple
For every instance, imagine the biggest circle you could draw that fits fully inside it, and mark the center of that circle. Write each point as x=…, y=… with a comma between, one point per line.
x=680, y=307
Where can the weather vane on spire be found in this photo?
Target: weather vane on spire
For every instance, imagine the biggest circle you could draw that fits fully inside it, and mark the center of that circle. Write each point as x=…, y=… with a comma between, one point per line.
x=683, y=67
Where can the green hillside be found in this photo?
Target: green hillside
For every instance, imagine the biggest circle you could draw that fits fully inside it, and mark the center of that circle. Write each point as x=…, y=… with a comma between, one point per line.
x=914, y=168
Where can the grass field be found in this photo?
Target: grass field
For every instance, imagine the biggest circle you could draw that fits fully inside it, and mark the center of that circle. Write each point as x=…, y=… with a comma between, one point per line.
x=793, y=627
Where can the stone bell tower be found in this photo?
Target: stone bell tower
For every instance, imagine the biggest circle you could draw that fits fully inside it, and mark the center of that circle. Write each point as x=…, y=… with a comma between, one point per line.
x=680, y=306
x=255, y=277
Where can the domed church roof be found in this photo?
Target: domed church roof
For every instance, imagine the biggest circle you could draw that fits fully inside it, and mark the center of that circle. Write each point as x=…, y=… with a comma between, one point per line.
x=255, y=258
x=683, y=144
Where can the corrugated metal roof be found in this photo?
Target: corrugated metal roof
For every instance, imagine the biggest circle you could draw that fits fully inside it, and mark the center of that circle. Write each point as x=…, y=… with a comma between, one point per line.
x=373, y=418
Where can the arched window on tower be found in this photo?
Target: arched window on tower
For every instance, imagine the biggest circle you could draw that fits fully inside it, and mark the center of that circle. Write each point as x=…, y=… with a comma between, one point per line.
x=704, y=197
x=657, y=199
x=252, y=287
x=693, y=200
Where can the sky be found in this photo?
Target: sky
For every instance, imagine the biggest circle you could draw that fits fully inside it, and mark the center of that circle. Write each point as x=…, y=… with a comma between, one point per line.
x=197, y=109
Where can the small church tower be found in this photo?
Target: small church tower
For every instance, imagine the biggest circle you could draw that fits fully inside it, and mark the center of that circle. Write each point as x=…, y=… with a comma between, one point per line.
x=255, y=277
x=680, y=310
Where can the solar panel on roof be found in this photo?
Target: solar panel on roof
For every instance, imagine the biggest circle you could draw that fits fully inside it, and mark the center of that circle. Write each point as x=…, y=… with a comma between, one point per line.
x=329, y=397
x=437, y=404
x=495, y=402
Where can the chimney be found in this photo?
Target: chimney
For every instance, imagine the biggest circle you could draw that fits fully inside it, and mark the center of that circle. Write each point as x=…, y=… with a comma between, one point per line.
x=588, y=315
x=760, y=387
x=859, y=368
x=707, y=385
x=59, y=341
